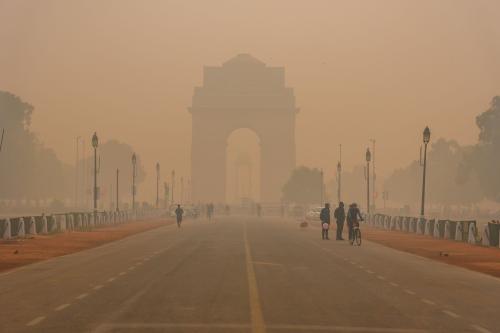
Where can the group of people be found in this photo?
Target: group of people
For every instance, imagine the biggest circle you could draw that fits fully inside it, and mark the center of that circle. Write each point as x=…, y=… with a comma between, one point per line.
x=353, y=217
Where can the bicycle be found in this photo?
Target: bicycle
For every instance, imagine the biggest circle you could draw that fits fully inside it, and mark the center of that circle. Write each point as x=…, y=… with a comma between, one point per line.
x=356, y=235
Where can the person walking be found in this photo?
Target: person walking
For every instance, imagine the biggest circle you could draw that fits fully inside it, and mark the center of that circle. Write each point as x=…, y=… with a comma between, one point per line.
x=324, y=216
x=179, y=212
x=339, y=215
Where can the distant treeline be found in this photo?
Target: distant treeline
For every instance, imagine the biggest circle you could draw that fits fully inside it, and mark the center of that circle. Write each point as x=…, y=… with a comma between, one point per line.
x=31, y=171
x=457, y=175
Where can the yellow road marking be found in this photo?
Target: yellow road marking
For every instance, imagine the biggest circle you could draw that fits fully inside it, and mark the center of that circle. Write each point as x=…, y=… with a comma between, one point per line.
x=266, y=263
x=258, y=325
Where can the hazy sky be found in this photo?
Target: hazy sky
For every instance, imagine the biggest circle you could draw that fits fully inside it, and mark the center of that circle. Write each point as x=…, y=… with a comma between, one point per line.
x=360, y=69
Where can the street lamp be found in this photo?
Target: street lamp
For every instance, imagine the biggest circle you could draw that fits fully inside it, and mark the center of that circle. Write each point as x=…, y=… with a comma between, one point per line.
x=134, y=163
x=427, y=138
x=368, y=159
x=157, y=184
x=95, y=144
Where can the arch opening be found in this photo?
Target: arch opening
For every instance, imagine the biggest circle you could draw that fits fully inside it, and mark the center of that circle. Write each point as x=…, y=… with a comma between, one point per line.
x=243, y=164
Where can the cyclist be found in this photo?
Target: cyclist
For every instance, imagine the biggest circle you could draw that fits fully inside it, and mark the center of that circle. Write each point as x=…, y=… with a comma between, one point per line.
x=353, y=218
x=179, y=212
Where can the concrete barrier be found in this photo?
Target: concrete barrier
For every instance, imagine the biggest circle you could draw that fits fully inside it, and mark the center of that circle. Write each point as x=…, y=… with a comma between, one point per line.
x=30, y=225
x=421, y=226
x=5, y=229
x=70, y=222
x=459, y=232
x=485, y=241
x=429, y=227
x=45, y=229
x=21, y=230
x=472, y=234
x=413, y=224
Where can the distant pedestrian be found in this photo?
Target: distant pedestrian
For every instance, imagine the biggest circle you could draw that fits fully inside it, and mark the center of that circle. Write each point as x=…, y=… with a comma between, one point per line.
x=324, y=216
x=259, y=210
x=179, y=212
x=339, y=215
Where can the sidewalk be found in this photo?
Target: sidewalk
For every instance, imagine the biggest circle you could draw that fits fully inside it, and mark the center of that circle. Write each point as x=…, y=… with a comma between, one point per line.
x=23, y=251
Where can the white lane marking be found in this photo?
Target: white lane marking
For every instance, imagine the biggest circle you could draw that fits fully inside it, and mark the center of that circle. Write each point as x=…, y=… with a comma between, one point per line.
x=82, y=296
x=138, y=263
x=369, y=272
x=480, y=329
x=122, y=273
x=426, y=301
x=98, y=287
x=380, y=277
x=308, y=328
x=131, y=268
x=111, y=279
x=451, y=314
x=410, y=292
x=394, y=284
x=361, y=267
x=62, y=307
x=36, y=321
x=352, y=262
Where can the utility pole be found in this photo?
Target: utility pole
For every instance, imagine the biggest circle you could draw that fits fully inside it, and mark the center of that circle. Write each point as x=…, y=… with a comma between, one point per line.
x=339, y=176
x=322, y=189
x=374, y=175
x=134, y=162
x=182, y=190
x=157, y=185
x=173, y=186
x=117, y=191
x=76, y=170
x=95, y=144
x=368, y=158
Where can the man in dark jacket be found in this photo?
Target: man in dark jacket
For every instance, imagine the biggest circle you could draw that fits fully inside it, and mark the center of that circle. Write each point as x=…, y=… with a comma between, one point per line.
x=324, y=216
x=339, y=215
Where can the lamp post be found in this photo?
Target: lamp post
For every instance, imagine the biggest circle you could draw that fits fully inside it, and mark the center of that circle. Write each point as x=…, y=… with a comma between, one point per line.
x=368, y=159
x=95, y=144
x=134, y=163
x=427, y=138
x=157, y=184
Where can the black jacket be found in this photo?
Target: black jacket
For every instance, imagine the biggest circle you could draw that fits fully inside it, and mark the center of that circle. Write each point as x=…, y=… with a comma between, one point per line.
x=339, y=214
x=324, y=216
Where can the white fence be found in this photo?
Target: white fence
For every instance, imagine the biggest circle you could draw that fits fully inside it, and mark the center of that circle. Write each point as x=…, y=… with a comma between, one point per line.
x=461, y=231
x=26, y=226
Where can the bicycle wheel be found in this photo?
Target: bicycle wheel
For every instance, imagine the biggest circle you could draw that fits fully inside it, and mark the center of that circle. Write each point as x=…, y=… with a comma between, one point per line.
x=357, y=237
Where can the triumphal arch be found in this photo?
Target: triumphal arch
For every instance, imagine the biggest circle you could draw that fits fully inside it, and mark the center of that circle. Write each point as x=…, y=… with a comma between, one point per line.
x=242, y=93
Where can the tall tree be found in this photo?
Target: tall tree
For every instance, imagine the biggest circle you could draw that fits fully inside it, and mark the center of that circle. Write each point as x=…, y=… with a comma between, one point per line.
x=303, y=186
x=483, y=160
x=28, y=170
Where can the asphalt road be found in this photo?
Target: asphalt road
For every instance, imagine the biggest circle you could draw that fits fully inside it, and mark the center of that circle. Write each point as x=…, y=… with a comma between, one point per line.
x=245, y=275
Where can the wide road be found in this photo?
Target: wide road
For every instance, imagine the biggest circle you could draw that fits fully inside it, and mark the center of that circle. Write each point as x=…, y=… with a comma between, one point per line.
x=243, y=274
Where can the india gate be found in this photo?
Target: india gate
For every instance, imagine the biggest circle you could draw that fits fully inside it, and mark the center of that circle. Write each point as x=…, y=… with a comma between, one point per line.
x=242, y=93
